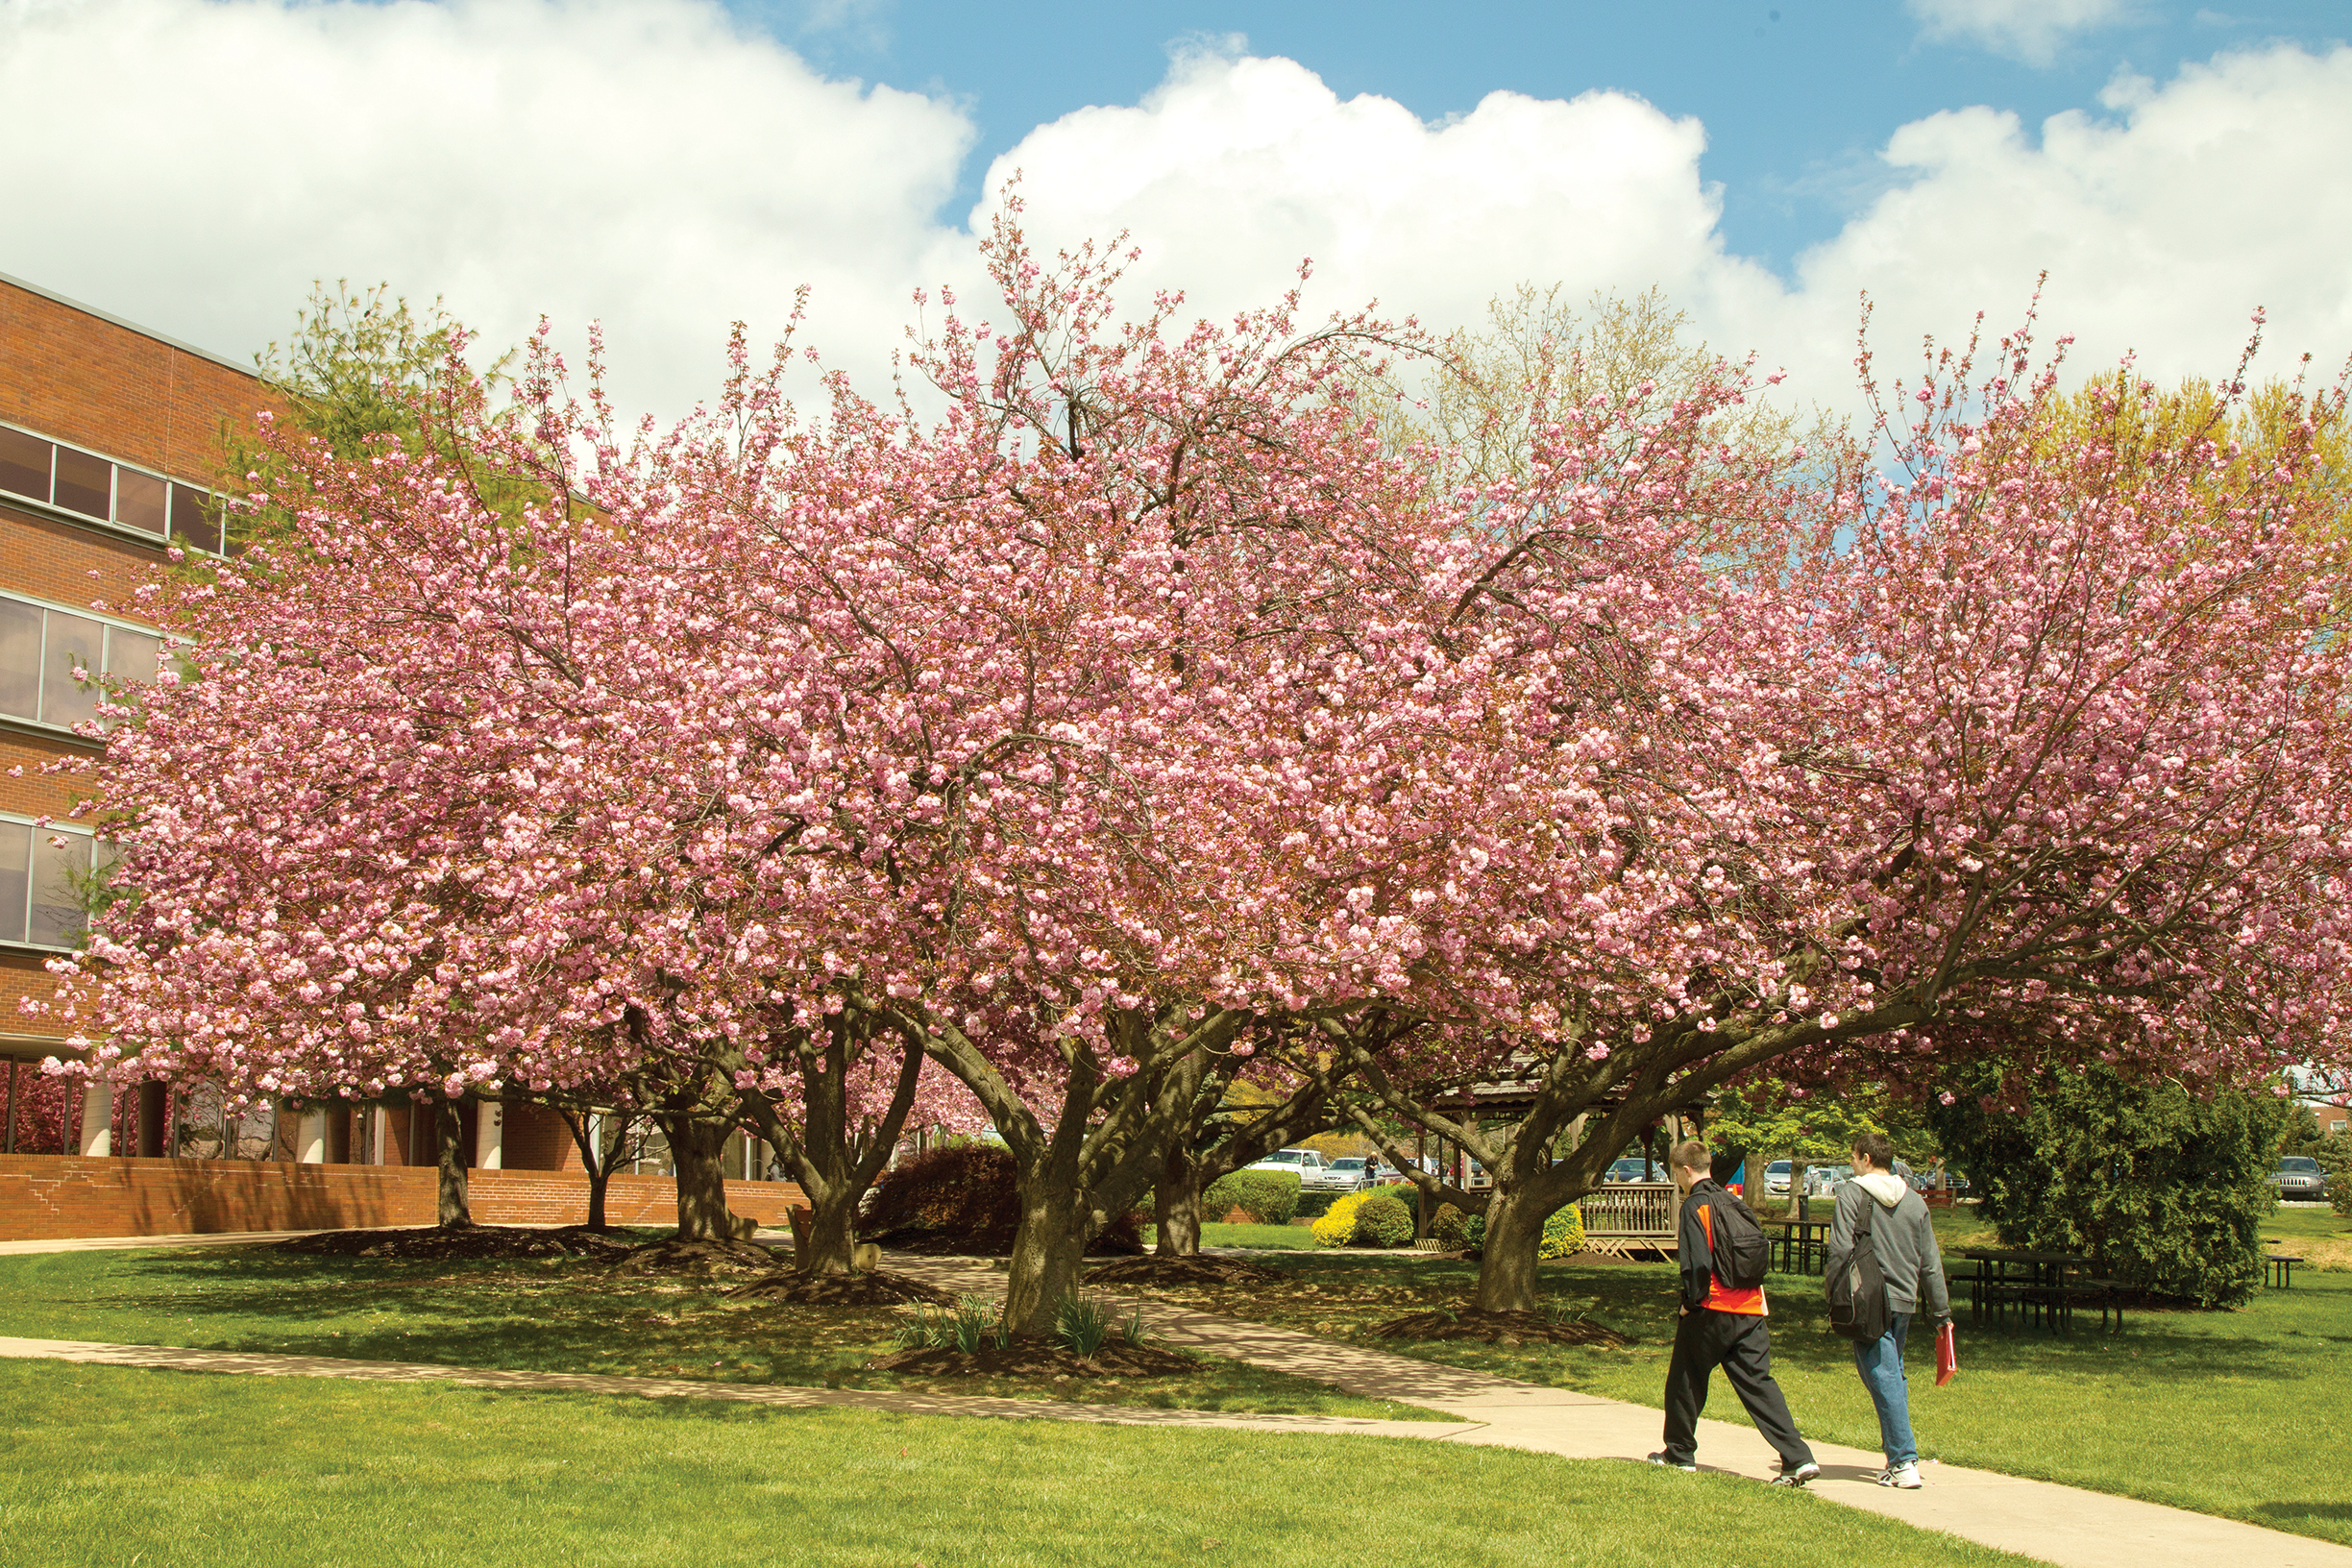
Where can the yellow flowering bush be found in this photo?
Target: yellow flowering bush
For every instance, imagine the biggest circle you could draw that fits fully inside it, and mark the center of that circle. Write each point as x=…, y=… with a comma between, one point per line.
x=1338, y=1226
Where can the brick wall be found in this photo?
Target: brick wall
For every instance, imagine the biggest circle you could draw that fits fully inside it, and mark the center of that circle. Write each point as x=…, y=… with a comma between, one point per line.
x=114, y=389
x=126, y=395
x=49, y=1197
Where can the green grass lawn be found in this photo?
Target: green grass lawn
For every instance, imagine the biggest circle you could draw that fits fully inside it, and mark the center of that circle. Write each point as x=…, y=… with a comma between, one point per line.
x=110, y=1467
x=569, y=1314
x=2232, y=1414
x=1280, y=1237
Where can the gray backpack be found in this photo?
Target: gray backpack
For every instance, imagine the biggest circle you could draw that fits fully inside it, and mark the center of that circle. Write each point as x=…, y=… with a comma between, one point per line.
x=1857, y=1291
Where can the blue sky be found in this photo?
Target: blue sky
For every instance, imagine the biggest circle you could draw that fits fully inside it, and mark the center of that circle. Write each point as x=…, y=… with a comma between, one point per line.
x=1797, y=97
x=667, y=167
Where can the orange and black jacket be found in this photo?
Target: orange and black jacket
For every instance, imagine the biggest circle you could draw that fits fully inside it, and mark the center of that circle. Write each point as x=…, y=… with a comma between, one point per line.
x=1695, y=1251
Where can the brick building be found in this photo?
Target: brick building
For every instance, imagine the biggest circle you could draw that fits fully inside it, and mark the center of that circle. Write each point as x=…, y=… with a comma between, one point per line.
x=110, y=437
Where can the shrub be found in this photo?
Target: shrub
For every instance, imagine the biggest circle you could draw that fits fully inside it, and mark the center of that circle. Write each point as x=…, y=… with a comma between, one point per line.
x=1381, y=1220
x=1447, y=1226
x=2334, y=1153
x=1338, y=1226
x=968, y=1198
x=2169, y=1192
x=1269, y=1197
x=1564, y=1231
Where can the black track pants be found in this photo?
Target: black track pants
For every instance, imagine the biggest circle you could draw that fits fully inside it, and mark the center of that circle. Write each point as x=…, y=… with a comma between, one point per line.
x=1742, y=1346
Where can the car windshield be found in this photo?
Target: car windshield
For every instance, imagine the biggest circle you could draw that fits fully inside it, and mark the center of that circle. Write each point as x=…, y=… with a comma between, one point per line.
x=1349, y=1164
x=1283, y=1157
x=1778, y=1167
x=2295, y=1162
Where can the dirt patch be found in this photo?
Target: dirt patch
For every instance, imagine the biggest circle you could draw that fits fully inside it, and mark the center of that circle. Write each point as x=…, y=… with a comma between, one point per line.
x=1039, y=1360
x=705, y=1258
x=469, y=1241
x=1497, y=1329
x=1193, y=1270
x=877, y=1289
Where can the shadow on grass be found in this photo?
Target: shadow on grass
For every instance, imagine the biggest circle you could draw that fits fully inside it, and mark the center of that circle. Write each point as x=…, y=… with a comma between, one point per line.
x=1638, y=1300
x=2304, y=1510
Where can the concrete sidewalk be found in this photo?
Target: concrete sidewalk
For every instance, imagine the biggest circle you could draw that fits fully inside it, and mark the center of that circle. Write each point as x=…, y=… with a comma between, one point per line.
x=2063, y=1524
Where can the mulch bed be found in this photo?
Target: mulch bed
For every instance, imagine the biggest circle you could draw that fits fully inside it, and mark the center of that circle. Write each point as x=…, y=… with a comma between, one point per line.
x=1193, y=1270
x=879, y=1288
x=469, y=1241
x=710, y=1258
x=1040, y=1359
x=1497, y=1329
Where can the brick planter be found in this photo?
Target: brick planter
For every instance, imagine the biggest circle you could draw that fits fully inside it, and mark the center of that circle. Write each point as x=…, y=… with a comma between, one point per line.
x=53, y=1197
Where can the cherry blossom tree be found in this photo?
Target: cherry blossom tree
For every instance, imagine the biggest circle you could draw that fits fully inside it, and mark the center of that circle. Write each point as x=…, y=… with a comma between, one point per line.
x=2028, y=751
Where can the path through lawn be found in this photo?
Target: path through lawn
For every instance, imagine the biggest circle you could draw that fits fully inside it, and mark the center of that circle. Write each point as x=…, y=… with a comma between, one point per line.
x=2237, y=1414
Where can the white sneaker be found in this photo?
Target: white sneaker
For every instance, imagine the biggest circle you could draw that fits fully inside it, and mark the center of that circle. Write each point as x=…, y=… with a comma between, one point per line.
x=1901, y=1476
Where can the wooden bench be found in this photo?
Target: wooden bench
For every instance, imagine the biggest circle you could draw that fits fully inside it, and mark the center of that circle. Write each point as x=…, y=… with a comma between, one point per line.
x=2278, y=1269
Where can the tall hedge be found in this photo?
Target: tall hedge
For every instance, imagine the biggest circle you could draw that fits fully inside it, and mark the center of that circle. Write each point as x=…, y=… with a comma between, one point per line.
x=2166, y=1190
x=1269, y=1197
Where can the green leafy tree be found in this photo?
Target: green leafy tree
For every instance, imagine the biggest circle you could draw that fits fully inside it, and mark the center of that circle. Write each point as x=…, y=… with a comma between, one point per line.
x=2167, y=1189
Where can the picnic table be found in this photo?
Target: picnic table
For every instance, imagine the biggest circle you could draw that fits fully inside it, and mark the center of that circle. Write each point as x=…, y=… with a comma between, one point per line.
x=1802, y=1246
x=2278, y=1267
x=2038, y=1285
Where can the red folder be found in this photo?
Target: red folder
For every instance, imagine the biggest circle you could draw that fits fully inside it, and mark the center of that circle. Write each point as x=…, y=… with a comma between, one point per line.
x=1947, y=1356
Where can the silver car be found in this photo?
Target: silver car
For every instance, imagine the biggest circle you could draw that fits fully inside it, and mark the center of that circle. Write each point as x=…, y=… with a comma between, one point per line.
x=2300, y=1178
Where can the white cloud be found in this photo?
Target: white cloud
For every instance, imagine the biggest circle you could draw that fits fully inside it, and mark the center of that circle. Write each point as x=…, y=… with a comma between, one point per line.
x=646, y=162
x=2162, y=227
x=2032, y=30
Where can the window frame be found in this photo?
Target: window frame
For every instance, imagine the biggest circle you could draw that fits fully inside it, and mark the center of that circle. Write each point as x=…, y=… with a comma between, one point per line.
x=110, y=524
x=110, y=623
x=33, y=827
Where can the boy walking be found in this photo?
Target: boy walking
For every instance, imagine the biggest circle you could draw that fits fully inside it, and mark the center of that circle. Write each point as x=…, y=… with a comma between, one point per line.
x=1904, y=1239
x=1720, y=1325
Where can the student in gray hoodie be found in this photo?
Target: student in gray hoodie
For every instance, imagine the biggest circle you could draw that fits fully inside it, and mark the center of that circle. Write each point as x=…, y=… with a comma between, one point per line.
x=1913, y=1268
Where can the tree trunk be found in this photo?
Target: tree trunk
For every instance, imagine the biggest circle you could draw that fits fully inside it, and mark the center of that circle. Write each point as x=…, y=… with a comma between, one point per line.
x=1506, y=1259
x=598, y=1176
x=454, y=1213
x=827, y=1231
x=695, y=1148
x=1176, y=1200
x=1047, y=1249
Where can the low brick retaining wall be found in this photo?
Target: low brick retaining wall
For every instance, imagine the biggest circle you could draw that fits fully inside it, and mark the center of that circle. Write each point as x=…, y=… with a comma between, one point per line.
x=46, y=1197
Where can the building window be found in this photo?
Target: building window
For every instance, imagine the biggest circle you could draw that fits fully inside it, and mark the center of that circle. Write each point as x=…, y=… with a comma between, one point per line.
x=45, y=878
x=89, y=485
x=51, y=659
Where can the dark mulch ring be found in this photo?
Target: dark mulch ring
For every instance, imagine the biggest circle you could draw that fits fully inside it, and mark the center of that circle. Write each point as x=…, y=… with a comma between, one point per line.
x=877, y=1289
x=436, y=1244
x=1497, y=1329
x=1040, y=1359
x=675, y=1256
x=1193, y=1270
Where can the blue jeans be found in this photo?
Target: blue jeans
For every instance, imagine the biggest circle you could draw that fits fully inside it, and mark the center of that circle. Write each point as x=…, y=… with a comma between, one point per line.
x=1881, y=1365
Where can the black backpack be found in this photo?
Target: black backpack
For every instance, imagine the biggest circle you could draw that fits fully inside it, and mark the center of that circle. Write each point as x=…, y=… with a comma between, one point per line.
x=1737, y=1253
x=1857, y=1291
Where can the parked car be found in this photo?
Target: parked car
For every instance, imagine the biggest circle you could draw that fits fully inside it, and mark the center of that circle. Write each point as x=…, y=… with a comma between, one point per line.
x=1345, y=1175
x=1776, y=1179
x=1820, y=1179
x=1297, y=1161
x=2300, y=1178
x=1631, y=1170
